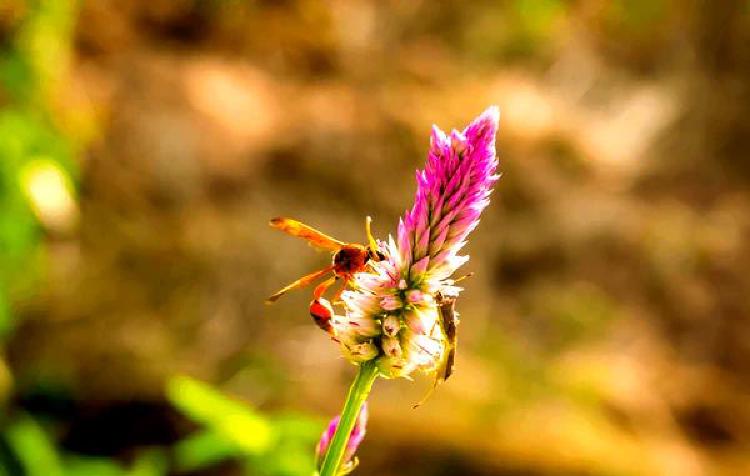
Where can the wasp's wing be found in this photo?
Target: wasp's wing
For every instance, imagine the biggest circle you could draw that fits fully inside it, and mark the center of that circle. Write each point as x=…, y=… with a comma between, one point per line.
x=301, y=282
x=315, y=237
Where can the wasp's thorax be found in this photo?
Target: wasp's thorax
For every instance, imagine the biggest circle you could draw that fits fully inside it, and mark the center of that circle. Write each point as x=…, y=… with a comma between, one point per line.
x=350, y=259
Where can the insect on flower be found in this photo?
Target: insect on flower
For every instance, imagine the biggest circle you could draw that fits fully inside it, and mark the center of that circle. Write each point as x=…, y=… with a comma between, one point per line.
x=348, y=259
x=449, y=320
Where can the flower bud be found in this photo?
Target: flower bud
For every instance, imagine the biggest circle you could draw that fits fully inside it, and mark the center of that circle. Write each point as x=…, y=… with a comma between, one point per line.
x=359, y=351
x=391, y=325
x=391, y=302
x=355, y=439
x=391, y=346
x=417, y=297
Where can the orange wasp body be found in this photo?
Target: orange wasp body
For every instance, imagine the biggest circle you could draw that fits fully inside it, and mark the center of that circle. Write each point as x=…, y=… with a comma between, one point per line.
x=348, y=259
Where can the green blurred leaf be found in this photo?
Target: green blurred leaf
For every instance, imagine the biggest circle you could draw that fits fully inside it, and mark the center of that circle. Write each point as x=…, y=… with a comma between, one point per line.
x=149, y=463
x=294, y=453
x=204, y=449
x=83, y=466
x=232, y=419
x=278, y=446
x=33, y=448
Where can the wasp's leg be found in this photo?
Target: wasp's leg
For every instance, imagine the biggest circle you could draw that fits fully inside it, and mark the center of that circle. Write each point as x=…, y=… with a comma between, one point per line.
x=344, y=284
x=321, y=288
x=301, y=282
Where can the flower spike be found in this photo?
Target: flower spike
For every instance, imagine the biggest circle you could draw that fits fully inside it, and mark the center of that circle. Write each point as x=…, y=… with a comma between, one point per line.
x=399, y=315
x=393, y=314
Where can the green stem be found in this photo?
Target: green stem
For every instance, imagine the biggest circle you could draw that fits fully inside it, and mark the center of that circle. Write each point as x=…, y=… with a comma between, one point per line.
x=358, y=393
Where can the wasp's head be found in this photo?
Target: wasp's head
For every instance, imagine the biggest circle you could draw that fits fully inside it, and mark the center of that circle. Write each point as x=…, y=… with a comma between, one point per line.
x=375, y=255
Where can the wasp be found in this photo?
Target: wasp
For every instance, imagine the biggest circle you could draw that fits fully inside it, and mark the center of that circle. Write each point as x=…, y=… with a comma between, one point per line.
x=347, y=260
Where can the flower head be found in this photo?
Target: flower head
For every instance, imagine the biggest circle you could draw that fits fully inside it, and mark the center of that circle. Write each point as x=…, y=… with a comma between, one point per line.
x=392, y=313
x=355, y=439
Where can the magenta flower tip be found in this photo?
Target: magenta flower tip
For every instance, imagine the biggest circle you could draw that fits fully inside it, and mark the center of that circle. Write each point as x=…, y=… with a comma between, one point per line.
x=452, y=191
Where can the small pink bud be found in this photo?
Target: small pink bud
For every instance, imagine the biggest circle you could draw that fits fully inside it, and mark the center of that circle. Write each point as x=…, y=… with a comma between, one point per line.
x=391, y=302
x=416, y=296
x=355, y=438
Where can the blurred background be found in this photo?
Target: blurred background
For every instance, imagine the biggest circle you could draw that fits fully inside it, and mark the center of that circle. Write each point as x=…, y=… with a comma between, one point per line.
x=145, y=144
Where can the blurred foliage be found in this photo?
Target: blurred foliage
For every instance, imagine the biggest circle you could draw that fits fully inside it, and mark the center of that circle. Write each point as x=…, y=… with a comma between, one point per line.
x=228, y=431
x=33, y=63
x=278, y=446
x=32, y=452
x=33, y=66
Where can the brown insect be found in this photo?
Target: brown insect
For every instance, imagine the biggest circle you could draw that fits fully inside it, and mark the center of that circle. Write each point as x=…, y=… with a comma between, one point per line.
x=348, y=259
x=449, y=320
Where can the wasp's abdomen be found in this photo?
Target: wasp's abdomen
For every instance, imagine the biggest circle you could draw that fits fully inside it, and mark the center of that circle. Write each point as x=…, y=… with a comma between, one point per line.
x=321, y=312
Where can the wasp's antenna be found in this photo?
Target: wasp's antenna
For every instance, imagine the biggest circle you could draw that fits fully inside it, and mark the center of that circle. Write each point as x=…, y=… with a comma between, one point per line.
x=368, y=229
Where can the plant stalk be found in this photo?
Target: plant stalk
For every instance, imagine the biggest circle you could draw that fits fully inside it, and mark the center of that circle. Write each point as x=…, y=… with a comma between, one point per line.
x=358, y=393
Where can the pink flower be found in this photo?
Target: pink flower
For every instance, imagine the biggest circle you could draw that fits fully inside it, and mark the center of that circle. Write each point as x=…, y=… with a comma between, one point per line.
x=355, y=439
x=392, y=314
